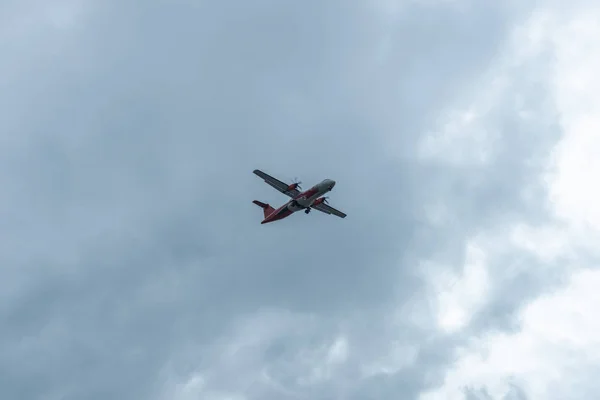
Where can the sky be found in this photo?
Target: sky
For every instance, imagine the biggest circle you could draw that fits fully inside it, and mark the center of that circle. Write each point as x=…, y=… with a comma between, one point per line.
x=463, y=137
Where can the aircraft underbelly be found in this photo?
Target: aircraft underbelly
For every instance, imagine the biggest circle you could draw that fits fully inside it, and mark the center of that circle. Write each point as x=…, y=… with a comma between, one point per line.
x=295, y=206
x=308, y=201
x=304, y=202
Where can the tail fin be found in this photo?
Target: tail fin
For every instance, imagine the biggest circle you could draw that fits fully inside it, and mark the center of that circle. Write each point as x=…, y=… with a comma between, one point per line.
x=267, y=209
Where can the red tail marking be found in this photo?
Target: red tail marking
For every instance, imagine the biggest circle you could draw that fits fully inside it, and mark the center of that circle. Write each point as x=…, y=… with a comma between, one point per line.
x=267, y=209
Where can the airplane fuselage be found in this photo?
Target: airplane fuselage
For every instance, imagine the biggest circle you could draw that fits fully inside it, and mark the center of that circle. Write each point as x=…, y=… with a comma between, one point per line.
x=301, y=202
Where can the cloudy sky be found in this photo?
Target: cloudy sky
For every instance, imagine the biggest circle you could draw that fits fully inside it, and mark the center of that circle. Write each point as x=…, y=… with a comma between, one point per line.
x=463, y=136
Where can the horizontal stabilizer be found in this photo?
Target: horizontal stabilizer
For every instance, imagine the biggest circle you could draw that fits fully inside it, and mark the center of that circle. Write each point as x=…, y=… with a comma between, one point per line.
x=260, y=204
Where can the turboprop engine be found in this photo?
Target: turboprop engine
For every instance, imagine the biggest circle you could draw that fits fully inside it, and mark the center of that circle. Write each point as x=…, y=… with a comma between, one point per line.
x=319, y=201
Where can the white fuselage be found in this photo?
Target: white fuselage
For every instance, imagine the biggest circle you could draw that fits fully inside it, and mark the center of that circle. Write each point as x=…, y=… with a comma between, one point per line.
x=311, y=195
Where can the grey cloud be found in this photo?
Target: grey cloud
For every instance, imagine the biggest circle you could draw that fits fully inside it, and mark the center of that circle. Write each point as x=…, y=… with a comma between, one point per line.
x=132, y=243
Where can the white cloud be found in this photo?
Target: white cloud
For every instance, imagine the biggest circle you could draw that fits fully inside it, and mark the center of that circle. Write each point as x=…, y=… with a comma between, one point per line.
x=461, y=140
x=463, y=135
x=557, y=347
x=577, y=89
x=574, y=165
x=556, y=353
x=459, y=297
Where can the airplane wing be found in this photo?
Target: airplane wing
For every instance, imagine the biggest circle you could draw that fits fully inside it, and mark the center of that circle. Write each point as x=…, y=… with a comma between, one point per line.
x=329, y=210
x=277, y=184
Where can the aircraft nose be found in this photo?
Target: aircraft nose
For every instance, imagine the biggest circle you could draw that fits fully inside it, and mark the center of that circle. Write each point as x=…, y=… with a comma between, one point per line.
x=332, y=183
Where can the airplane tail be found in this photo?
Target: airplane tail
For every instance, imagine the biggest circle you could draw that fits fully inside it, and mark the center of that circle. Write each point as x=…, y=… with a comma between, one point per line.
x=267, y=209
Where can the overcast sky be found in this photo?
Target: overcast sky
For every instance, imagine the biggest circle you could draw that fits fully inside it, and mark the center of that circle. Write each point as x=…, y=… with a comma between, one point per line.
x=464, y=139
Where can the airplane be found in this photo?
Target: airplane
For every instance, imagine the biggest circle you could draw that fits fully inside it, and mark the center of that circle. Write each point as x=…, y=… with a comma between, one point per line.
x=307, y=200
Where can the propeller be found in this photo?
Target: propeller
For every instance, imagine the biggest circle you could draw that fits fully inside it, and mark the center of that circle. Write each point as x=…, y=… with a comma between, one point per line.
x=297, y=183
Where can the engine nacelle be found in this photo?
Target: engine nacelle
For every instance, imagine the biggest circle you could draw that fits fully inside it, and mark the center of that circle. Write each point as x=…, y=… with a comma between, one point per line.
x=292, y=186
x=318, y=201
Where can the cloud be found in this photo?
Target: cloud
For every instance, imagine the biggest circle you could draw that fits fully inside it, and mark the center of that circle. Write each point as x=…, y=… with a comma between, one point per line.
x=551, y=352
x=133, y=262
x=461, y=298
x=553, y=355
